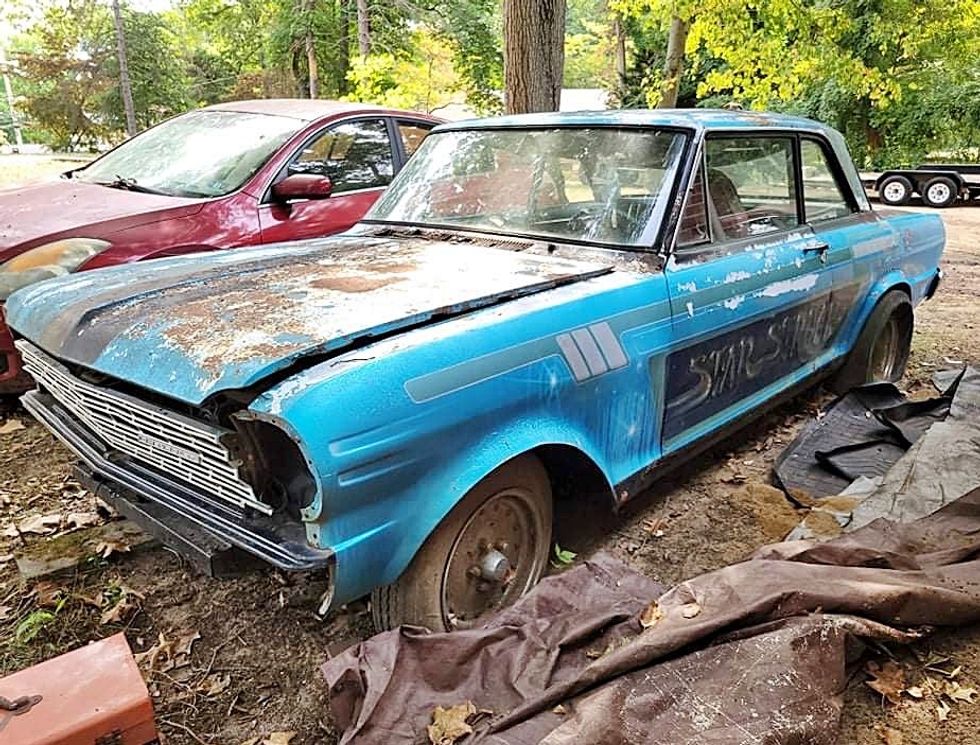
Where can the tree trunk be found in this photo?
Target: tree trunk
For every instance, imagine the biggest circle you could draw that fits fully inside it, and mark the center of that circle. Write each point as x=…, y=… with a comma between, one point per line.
x=343, y=47
x=674, y=67
x=363, y=28
x=125, y=87
x=534, y=54
x=620, y=33
x=311, y=65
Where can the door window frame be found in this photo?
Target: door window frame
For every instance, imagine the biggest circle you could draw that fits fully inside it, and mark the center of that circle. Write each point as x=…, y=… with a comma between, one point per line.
x=394, y=122
x=713, y=248
x=396, y=153
x=836, y=172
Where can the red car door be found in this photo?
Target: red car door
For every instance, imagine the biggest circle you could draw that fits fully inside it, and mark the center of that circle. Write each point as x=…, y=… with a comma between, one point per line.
x=358, y=157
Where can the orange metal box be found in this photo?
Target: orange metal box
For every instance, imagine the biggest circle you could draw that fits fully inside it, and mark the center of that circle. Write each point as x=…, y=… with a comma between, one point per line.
x=92, y=696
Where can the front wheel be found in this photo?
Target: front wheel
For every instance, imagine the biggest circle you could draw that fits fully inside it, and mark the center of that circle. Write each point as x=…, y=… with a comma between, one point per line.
x=882, y=350
x=487, y=552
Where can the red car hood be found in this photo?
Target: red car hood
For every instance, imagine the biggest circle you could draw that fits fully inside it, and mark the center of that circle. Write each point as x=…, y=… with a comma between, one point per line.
x=32, y=215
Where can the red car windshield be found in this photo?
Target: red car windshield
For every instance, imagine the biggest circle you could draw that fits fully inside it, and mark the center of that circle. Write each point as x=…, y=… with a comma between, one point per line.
x=206, y=153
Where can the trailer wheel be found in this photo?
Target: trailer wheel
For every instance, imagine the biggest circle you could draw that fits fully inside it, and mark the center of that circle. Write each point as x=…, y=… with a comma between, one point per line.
x=939, y=192
x=895, y=190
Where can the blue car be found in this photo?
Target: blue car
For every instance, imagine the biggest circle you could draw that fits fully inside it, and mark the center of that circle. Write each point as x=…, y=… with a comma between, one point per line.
x=541, y=305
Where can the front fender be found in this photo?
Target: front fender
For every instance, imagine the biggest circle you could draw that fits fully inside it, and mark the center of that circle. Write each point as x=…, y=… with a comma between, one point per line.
x=376, y=538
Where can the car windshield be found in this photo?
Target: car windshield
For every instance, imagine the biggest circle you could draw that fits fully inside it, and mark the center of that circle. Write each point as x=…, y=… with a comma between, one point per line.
x=204, y=153
x=601, y=185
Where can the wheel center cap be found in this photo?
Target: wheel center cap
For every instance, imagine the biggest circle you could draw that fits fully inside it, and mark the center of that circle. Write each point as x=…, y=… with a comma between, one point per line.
x=494, y=566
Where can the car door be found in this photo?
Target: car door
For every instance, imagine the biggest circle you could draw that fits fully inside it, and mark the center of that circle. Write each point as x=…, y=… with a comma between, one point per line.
x=833, y=214
x=359, y=159
x=750, y=286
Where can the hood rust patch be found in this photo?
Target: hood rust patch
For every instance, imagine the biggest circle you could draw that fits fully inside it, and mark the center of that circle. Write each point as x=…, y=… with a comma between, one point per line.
x=228, y=324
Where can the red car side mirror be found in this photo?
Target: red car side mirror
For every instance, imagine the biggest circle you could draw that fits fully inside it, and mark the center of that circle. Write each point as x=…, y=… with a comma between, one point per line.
x=302, y=186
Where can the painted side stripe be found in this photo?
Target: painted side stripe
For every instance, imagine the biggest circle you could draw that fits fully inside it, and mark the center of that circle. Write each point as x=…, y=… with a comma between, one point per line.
x=573, y=356
x=609, y=344
x=470, y=372
x=590, y=350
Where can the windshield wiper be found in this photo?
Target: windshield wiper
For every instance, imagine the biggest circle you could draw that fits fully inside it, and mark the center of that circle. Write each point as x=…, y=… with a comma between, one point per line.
x=129, y=184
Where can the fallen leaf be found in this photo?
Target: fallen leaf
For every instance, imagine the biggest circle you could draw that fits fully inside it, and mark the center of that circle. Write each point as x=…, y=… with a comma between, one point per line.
x=40, y=524
x=79, y=520
x=655, y=527
x=166, y=654
x=214, y=685
x=10, y=426
x=890, y=736
x=959, y=693
x=5, y=612
x=651, y=616
x=888, y=680
x=120, y=611
x=450, y=725
x=559, y=710
x=942, y=711
x=690, y=610
x=279, y=738
x=915, y=692
x=48, y=594
x=105, y=549
x=6, y=559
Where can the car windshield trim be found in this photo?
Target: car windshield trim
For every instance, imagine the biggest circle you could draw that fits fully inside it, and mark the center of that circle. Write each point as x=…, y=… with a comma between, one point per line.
x=675, y=141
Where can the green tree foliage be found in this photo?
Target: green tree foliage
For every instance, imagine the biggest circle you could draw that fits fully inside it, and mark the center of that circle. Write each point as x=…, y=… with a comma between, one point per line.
x=421, y=77
x=897, y=76
x=68, y=60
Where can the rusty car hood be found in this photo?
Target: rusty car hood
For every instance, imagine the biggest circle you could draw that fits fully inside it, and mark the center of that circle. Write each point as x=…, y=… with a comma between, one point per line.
x=190, y=327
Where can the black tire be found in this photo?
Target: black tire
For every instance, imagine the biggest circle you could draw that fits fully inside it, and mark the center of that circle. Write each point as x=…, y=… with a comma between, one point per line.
x=940, y=192
x=420, y=597
x=895, y=190
x=882, y=349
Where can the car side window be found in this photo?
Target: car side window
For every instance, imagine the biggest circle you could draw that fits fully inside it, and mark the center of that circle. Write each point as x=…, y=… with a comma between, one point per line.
x=412, y=134
x=354, y=155
x=823, y=198
x=751, y=186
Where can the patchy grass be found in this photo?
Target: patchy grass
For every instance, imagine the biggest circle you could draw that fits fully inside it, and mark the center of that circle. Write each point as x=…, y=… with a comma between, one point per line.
x=23, y=170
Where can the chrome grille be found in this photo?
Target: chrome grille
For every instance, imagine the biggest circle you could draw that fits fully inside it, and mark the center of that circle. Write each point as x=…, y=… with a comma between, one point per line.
x=179, y=446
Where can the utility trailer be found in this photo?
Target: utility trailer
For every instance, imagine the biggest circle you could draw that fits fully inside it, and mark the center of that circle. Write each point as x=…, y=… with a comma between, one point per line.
x=939, y=185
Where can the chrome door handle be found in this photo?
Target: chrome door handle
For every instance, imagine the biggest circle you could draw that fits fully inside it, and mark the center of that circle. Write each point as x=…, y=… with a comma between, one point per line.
x=820, y=247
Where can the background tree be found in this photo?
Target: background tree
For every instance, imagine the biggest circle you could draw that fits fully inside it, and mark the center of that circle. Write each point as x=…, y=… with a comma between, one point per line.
x=534, y=55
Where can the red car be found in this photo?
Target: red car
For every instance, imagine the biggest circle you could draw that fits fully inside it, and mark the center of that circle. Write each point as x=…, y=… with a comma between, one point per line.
x=229, y=175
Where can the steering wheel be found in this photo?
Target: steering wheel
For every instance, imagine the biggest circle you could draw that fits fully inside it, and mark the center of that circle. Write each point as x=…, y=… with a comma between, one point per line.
x=580, y=222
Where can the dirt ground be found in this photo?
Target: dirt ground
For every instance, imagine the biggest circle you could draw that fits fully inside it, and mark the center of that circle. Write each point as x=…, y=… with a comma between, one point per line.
x=254, y=669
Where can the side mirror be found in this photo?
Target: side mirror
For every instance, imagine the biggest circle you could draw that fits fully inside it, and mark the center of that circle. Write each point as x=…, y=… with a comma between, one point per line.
x=302, y=186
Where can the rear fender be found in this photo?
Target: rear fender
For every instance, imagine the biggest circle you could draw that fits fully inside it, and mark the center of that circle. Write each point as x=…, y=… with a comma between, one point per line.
x=893, y=280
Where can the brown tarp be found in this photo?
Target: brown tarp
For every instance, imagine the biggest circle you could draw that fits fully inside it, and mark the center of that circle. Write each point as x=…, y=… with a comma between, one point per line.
x=757, y=652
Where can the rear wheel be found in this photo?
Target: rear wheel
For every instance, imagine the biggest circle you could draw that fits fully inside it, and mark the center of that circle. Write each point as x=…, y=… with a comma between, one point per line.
x=939, y=192
x=895, y=190
x=488, y=552
x=882, y=350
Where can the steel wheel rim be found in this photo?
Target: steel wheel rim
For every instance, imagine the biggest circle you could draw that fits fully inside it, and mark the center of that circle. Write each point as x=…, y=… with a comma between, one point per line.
x=884, y=356
x=939, y=193
x=894, y=192
x=505, y=524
